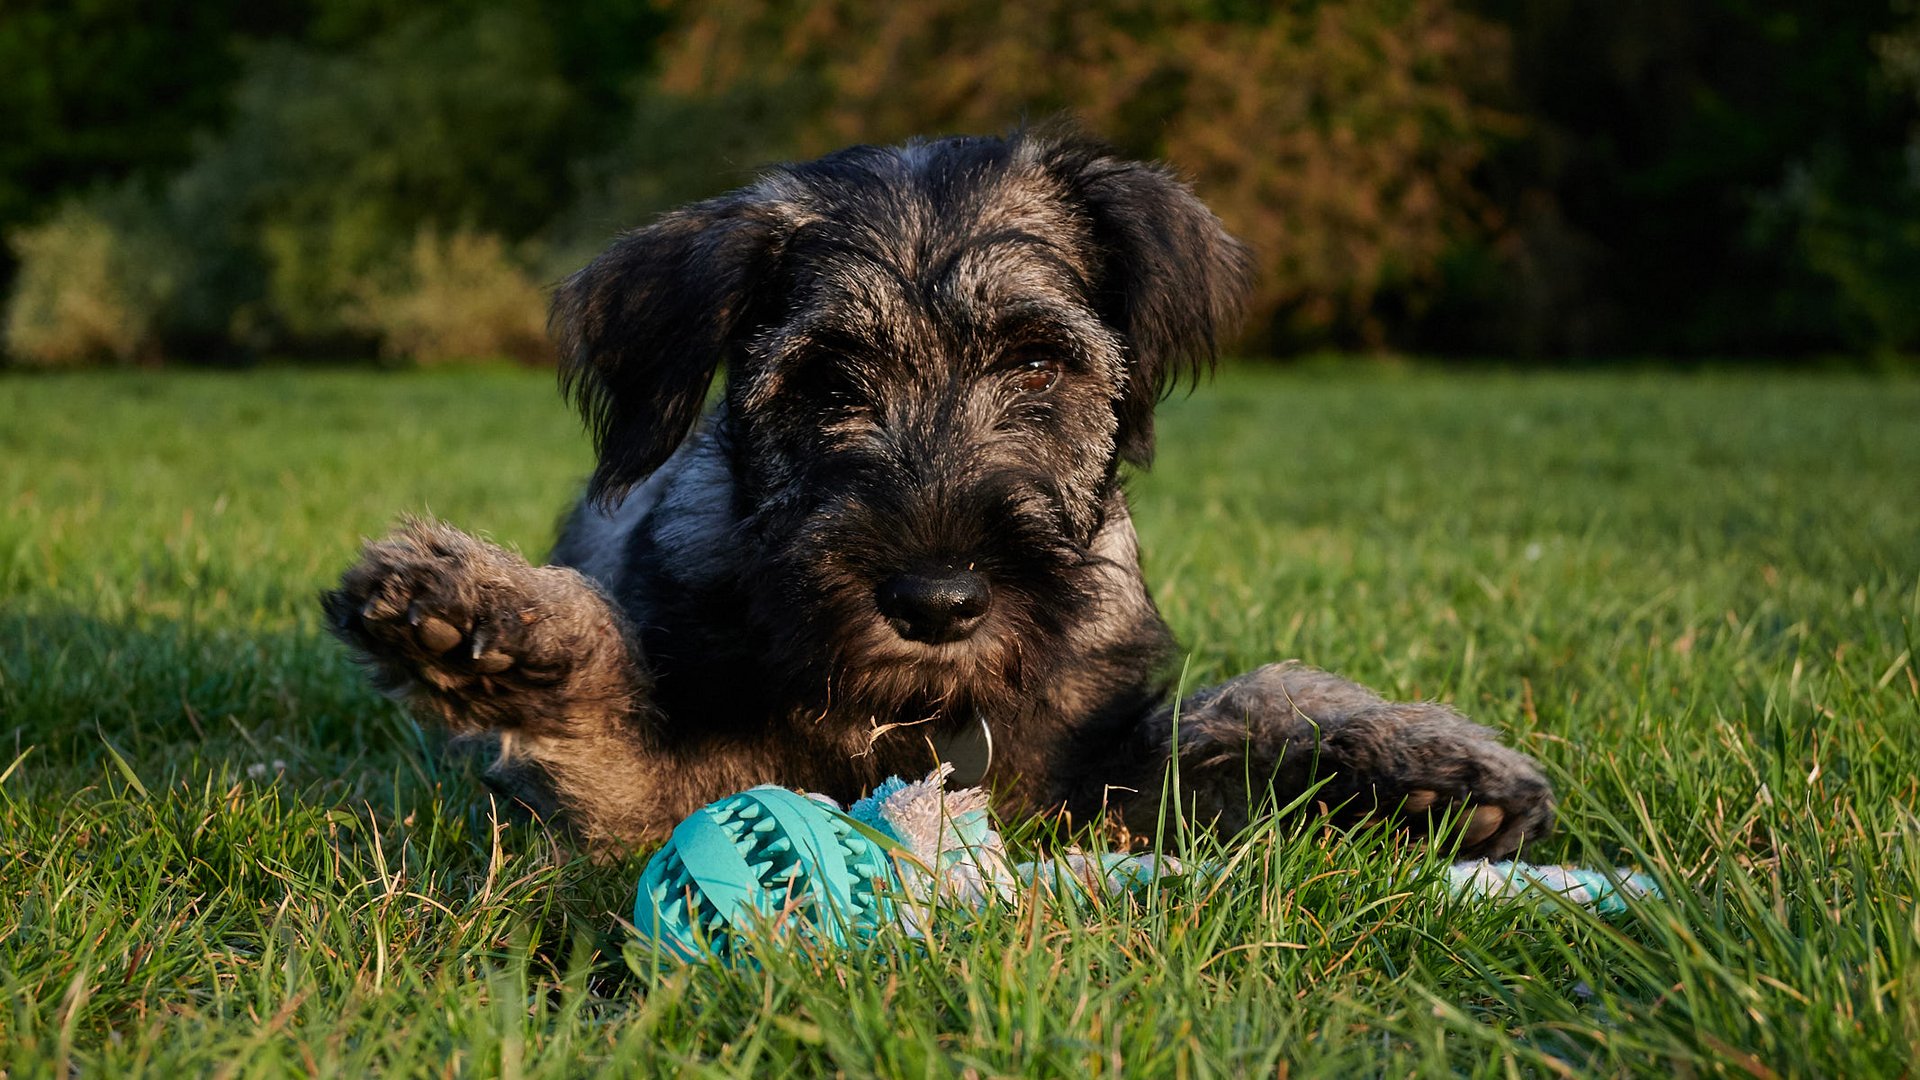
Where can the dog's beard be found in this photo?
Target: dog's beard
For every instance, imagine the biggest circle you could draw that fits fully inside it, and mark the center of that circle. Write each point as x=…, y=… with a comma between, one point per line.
x=831, y=645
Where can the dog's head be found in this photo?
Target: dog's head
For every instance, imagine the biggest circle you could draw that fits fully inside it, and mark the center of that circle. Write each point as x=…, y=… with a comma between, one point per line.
x=938, y=356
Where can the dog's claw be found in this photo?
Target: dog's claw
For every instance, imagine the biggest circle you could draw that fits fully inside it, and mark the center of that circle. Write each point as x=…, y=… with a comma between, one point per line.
x=1483, y=823
x=492, y=663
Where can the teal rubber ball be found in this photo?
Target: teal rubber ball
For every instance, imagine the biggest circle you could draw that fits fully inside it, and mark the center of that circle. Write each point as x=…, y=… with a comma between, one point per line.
x=767, y=856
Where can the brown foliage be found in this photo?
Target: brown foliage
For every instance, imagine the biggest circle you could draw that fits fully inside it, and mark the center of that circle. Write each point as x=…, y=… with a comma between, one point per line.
x=1338, y=139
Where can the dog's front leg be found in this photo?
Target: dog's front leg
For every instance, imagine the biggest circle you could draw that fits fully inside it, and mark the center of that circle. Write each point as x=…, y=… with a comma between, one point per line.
x=1290, y=727
x=474, y=638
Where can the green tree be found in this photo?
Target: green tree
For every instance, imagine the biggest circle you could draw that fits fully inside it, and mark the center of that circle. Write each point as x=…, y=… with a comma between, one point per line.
x=1703, y=176
x=98, y=90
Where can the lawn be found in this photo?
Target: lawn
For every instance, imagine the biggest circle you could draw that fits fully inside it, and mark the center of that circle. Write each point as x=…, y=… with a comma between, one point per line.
x=1693, y=597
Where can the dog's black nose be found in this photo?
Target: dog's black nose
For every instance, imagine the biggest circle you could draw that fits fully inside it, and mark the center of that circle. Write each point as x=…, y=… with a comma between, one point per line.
x=936, y=606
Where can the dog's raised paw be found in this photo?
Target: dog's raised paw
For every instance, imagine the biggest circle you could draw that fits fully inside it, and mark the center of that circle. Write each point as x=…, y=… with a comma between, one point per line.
x=429, y=605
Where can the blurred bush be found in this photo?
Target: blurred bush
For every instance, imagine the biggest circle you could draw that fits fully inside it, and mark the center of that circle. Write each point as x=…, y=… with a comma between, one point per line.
x=460, y=297
x=334, y=161
x=397, y=162
x=95, y=284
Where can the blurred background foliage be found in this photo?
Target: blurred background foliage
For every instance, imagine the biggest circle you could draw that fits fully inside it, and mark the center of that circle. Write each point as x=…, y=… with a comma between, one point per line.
x=1514, y=178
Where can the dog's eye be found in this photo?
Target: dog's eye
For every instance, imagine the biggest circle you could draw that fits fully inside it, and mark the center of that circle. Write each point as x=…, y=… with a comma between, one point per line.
x=1036, y=375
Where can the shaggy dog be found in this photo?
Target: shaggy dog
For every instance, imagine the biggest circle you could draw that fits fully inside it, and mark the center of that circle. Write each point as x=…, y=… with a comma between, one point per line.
x=901, y=535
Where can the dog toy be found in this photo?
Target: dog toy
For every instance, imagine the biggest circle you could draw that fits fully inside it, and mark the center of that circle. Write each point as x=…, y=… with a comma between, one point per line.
x=1603, y=892
x=764, y=854
x=798, y=863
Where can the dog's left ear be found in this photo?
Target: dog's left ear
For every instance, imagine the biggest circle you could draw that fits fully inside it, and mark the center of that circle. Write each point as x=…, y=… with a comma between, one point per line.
x=644, y=327
x=1173, y=282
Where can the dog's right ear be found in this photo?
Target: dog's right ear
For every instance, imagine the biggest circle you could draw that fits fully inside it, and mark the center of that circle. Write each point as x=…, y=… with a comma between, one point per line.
x=644, y=327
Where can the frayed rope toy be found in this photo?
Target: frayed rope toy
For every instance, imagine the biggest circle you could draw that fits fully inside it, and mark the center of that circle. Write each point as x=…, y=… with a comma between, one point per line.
x=790, y=860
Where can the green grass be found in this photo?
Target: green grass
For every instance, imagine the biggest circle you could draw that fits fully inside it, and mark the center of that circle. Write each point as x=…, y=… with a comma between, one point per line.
x=1693, y=597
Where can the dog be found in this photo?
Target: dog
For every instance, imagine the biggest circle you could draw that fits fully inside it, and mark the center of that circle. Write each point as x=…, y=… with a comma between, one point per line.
x=900, y=536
